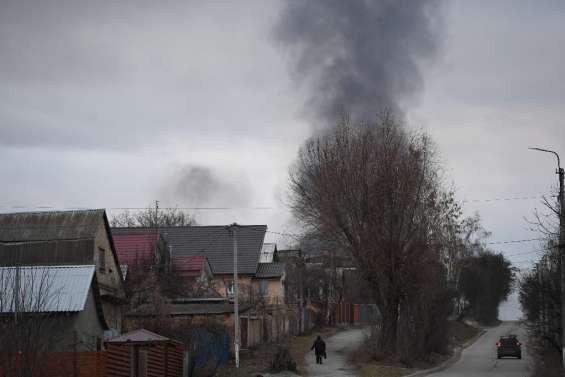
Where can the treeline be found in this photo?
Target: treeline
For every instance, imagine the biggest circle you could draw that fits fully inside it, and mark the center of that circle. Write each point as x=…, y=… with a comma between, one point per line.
x=376, y=190
x=540, y=297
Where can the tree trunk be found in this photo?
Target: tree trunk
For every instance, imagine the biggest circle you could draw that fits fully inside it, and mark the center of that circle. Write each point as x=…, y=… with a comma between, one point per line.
x=389, y=333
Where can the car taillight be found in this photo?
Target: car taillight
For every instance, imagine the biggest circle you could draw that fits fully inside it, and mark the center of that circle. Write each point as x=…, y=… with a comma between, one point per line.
x=498, y=344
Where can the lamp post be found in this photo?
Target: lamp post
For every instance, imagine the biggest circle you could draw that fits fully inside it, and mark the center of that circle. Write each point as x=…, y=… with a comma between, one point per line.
x=561, y=246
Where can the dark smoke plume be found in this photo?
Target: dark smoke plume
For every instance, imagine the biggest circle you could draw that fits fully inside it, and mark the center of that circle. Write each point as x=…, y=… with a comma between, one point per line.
x=359, y=56
x=197, y=185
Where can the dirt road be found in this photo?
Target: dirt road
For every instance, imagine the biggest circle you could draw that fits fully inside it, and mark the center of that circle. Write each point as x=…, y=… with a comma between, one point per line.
x=337, y=348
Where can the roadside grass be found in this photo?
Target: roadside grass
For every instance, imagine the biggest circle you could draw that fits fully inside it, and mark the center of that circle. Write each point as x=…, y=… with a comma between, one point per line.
x=459, y=334
x=375, y=370
x=258, y=360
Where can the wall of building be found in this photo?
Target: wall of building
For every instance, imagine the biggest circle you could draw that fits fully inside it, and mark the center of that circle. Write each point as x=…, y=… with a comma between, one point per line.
x=87, y=327
x=78, y=331
x=220, y=283
x=275, y=290
x=108, y=277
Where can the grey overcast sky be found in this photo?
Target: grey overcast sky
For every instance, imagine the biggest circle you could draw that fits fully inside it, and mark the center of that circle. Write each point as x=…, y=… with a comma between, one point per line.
x=117, y=103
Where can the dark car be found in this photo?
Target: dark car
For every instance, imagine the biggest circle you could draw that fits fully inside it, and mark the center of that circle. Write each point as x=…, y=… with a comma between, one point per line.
x=509, y=346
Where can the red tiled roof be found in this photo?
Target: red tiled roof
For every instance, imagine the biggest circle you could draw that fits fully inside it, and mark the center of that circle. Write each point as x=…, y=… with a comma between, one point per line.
x=188, y=265
x=135, y=248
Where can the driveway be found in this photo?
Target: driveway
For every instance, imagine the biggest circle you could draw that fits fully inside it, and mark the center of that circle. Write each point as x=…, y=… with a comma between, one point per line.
x=337, y=348
x=479, y=359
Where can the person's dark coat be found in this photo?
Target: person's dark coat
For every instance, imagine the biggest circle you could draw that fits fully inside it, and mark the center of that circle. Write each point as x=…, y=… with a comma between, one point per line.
x=319, y=346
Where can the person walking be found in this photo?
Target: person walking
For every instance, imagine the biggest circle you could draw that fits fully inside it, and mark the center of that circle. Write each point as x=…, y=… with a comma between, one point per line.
x=319, y=348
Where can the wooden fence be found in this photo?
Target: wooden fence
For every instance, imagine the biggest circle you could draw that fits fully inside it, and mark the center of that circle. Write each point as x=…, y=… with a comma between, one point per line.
x=160, y=360
x=59, y=364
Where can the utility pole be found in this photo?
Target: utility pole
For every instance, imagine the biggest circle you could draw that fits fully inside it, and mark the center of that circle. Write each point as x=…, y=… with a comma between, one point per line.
x=561, y=173
x=237, y=336
x=156, y=213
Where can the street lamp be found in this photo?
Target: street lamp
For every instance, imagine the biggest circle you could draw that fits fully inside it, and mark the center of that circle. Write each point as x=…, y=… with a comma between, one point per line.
x=561, y=245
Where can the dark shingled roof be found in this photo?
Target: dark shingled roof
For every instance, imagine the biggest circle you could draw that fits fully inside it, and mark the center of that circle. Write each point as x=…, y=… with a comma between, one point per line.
x=52, y=225
x=215, y=243
x=270, y=270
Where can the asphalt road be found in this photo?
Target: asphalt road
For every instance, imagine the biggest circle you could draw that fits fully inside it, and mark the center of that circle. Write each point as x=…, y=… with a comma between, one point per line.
x=480, y=358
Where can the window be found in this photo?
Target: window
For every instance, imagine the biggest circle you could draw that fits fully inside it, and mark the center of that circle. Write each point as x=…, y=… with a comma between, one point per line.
x=264, y=288
x=101, y=260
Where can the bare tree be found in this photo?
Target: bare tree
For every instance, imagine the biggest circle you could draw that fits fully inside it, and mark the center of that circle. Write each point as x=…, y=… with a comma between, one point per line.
x=153, y=217
x=540, y=295
x=28, y=326
x=375, y=190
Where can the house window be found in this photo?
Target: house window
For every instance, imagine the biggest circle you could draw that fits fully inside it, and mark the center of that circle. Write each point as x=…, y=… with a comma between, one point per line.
x=101, y=260
x=264, y=288
x=230, y=288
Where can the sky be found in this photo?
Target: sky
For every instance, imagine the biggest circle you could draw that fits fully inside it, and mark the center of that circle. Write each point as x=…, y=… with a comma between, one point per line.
x=205, y=104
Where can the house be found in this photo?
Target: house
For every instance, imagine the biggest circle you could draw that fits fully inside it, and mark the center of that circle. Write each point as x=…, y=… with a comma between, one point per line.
x=63, y=238
x=269, y=253
x=60, y=305
x=216, y=244
x=140, y=247
x=269, y=282
x=195, y=249
x=146, y=249
x=212, y=313
x=194, y=270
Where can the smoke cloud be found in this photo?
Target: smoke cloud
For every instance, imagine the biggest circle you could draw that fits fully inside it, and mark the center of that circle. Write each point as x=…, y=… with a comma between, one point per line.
x=198, y=186
x=358, y=57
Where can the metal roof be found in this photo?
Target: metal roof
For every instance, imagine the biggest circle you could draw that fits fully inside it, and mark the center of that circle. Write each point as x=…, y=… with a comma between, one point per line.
x=51, y=225
x=136, y=248
x=268, y=253
x=270, y=270
x=45, y=288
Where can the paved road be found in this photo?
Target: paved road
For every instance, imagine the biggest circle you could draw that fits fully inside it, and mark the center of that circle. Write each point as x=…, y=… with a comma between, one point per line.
x=337, y=348
x=480, y=358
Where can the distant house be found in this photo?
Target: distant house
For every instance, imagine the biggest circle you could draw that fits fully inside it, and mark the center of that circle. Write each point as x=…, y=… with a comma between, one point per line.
x=140, y=247
x=269, y=282
x=208, y=252
x=216, y=244
x=268, y=253
x=62, y=238
x=194, y=270
x=147, y=248
x=64, y=300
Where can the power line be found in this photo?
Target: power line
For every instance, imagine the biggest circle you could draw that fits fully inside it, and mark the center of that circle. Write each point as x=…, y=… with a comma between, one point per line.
x=522, y=253
x=258, y=208
x=514, y=241
x=503, y=199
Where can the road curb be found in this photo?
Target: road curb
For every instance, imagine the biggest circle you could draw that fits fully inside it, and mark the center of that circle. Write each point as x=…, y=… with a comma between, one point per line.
x=449, y=362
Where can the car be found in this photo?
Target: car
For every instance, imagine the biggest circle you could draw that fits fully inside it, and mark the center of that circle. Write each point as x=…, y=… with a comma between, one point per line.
x=509, y=346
